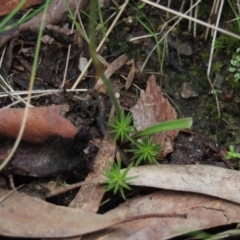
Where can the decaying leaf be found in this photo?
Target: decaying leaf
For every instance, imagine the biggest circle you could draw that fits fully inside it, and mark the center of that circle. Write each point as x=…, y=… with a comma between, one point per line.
x=7, y=7
x=111, y=69
x=202, y=212
x=130, y=76
x=205, y=179
x=89, y=196
x=56, y=10
x=42, y=122
x=23, y=216
x=153, y=108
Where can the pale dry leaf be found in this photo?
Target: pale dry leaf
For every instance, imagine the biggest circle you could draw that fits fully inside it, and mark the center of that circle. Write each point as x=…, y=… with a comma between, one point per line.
x=130, y=76
x=202, y=212
x=111, y=69
x=23, y=216
x=56, y=11
x=89, y=196
x=153, y=108
x=205, y=179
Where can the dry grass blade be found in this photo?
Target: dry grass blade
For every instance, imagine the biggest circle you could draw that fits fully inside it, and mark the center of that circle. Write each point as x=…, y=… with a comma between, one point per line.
x=192, y=19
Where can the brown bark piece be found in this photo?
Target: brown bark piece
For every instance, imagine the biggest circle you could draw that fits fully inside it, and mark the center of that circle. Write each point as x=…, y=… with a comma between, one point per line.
x=203, y=212
x=42, y=122
x=8, y=6
x=89, y=196
x=55, y=14
x=153, y=108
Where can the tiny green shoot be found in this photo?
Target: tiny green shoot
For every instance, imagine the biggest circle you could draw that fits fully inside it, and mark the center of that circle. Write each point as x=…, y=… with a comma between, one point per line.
x=233, y=155
x=235, y=65
x=116, y=179
x=146, y=151
x=121, y=126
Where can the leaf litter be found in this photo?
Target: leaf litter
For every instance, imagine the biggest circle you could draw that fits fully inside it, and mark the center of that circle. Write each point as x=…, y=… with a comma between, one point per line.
x=25, y=216
x=152, y=108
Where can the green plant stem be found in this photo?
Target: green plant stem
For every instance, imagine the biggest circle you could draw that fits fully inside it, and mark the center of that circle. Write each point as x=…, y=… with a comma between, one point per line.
x=93, y=54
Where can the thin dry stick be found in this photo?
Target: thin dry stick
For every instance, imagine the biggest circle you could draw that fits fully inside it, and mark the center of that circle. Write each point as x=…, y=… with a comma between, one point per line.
x=82, y=26
x=182, y=7
x=47, y=91
x=10, y=88
x=101, y=43
x=11, y=192
x=69, y=48
x=195, y=24
x=190, y=14
x=24, y=119
x=216, y=10
x=209, y=20
x=211, y=57
x=168, y=5
x=2, y=56
x=169, y=30
x=193, y=19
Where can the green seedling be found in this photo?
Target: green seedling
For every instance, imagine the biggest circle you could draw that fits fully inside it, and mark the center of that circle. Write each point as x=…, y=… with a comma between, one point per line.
x=146, y=151
x=235, y=65
x=217, y=66
x=231, y=155
x=117, y=179
x=122, y=127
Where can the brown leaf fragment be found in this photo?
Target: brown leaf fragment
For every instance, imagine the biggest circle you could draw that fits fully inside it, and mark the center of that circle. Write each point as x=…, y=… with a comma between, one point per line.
x=205, y=179
x=153, y=108
x=56, y=12
x=130, y=76
x=23, y=216
x=203, y=212
x=42, y=122
x=8, y=6
x=111, y=69
x=89, y=196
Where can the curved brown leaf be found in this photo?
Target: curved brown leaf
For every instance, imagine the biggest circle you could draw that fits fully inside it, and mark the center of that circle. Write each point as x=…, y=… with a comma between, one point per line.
x=42, y=122
x=152, y=108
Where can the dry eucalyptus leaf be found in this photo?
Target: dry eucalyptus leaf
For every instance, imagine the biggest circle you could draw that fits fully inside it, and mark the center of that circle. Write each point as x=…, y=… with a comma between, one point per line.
x=23, y=216
x=7, y=7
x=42, y=123
x=89, y=196
x=205, y=179
x=130, y=76
x=153, y=108
x=56, y=12
x=111, y=69
x=203, y=212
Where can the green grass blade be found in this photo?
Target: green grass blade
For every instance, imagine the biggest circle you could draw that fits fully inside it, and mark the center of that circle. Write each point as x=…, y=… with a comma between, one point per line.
x=178, y=124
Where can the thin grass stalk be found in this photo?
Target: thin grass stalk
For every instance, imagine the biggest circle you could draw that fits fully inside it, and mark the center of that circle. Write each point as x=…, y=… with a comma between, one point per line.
x=169, y=30
x=33, y=73
x=101, y=43
x=193, y=19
